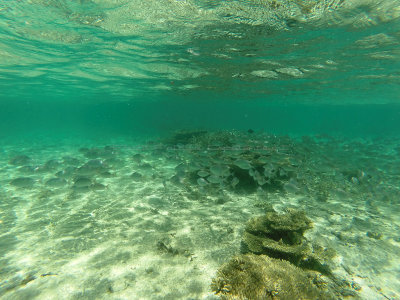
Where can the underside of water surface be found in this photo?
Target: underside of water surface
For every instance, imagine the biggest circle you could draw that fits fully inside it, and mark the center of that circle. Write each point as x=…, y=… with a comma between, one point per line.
x=195, y=149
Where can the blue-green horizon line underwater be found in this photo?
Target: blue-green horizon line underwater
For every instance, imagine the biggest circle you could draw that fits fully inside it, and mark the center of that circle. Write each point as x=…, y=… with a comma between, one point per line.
x=25, y=118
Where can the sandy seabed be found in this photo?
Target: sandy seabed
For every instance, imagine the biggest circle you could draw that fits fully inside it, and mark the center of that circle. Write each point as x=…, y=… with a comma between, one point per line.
x=105, y=221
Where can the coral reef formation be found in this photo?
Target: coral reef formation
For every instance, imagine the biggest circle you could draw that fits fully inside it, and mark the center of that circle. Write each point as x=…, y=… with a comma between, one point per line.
x=279, y=263
x=259, y=277
x=281, y=236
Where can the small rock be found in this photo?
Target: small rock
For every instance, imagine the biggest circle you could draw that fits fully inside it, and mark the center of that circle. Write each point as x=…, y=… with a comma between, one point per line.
x=356, y=286
x=374, y=235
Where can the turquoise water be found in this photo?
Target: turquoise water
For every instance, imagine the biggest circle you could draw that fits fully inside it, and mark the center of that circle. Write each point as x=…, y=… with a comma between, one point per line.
x=138, y=139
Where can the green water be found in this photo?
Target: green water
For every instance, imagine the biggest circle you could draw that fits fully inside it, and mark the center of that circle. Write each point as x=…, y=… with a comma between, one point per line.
x=109, y=109
x=125, y=66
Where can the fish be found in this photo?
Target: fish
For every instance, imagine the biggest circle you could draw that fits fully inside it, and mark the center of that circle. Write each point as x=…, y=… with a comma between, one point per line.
x=202, y=182
x=214, y=179
x=259, y=178
x=23, y=182
x=220, y=170
x=235, y=182
x=203, y=173
x=243, y=164
x=291, y=187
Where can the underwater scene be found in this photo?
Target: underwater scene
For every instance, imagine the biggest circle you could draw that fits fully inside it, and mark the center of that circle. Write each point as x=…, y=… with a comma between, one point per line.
x=197, y=149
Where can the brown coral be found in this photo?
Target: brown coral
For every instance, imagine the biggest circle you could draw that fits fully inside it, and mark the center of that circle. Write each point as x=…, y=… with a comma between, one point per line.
x=281, y=236
x=261, y=277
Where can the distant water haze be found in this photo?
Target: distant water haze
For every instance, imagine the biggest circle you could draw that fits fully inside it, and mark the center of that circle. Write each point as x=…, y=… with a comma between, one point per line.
x=106, y=120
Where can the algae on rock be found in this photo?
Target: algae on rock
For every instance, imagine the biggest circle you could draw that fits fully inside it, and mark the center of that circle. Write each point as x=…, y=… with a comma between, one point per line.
x=259, y=277
x=279, y=263
x=281, y=236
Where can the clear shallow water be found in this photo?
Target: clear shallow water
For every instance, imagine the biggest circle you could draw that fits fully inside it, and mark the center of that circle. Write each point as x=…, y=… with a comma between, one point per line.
x=317, y=82
x=313, y=51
